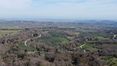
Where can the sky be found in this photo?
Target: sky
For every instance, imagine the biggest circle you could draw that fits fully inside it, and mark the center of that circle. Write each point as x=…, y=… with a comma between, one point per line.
x=61, y=9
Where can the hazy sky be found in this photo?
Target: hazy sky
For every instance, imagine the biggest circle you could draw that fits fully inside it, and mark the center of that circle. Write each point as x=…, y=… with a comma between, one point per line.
x=78, y=9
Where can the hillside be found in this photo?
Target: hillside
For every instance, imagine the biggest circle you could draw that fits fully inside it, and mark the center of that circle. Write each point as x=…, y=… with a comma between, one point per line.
x=85, y=44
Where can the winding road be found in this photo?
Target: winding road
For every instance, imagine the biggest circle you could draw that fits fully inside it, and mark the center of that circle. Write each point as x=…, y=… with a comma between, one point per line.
x=25, y=42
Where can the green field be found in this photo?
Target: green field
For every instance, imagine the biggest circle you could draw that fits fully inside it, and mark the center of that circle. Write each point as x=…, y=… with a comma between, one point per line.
x=111, y=61
x=8, y=32
x=89, y=47
x=55, y=39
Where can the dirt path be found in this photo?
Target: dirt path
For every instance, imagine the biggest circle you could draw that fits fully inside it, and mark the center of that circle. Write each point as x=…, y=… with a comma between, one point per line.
x=81, y=47
x=25, y=42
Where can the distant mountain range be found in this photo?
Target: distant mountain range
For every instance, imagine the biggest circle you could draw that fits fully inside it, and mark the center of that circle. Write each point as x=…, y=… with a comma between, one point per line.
x=49, y=23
